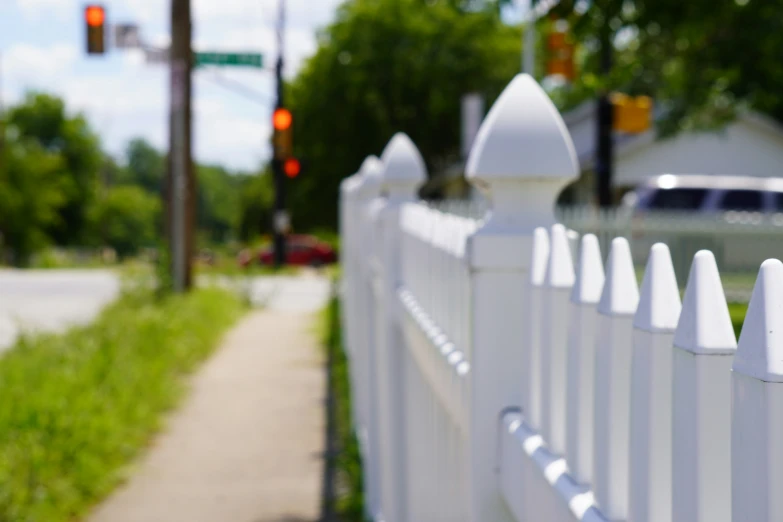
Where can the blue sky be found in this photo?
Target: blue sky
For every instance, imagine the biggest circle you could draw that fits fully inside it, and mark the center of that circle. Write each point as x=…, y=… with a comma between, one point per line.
x=42, y=47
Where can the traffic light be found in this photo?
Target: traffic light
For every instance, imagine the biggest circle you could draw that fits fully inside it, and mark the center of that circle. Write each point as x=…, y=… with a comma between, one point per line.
x=292, y=167
x=631, y=114
x=282, y=139
x=561, y=54
x=95, y=17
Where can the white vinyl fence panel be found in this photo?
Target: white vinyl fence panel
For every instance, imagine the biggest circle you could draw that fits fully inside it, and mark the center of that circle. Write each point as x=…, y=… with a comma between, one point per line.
x=503, y=373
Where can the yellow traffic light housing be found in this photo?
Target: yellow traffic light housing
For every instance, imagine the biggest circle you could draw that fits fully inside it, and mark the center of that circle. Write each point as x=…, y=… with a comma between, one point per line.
x=95, y=18
x=632, y=114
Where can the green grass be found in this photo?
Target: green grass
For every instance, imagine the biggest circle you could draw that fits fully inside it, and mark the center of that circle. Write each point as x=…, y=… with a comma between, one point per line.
x=737, y=312
x=349, y=501
x=77, y=408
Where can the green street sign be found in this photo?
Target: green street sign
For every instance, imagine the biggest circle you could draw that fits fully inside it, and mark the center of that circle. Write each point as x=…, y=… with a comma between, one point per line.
x=230, y=59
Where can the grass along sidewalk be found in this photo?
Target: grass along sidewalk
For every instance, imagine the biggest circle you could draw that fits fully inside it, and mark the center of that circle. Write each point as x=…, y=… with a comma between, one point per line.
x=347, y=498
x=75, y=409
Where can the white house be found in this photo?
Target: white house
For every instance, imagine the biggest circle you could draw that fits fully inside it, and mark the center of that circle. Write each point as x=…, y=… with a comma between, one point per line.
x=751, y=145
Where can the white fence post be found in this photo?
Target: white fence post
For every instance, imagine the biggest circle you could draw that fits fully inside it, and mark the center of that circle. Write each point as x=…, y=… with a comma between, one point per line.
x=616, y=309
x=581, y=359
x=656, y=319
x=522, y=158
x=559, y=282
x=704, y=346
x=757, y=404
x=403, y=173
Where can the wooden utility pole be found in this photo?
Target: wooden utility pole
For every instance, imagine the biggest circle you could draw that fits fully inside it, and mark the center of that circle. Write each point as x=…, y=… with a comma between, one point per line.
x=180, y=182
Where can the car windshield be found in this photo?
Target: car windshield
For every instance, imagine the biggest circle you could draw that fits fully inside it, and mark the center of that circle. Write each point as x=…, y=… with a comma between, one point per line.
x=681, y=198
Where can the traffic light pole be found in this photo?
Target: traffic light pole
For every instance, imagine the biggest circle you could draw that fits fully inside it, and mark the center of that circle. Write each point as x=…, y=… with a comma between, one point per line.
x=280, y=223
x=604, y=145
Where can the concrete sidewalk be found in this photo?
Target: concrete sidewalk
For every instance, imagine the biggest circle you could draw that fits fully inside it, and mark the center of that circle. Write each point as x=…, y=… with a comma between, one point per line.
x=247, y=445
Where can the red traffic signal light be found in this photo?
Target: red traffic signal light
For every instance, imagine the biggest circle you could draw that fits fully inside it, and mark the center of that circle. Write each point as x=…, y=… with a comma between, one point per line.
x=282, y=119
x=292, y=167
x=95, y=16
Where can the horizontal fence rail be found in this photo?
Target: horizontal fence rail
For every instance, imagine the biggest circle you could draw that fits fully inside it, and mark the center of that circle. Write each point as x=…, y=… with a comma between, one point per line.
x=506, y=367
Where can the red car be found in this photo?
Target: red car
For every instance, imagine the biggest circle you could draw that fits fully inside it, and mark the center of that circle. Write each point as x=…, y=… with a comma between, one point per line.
x=300, y=251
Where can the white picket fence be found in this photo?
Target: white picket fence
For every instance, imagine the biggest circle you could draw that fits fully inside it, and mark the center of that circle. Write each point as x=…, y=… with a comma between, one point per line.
x=497, y=380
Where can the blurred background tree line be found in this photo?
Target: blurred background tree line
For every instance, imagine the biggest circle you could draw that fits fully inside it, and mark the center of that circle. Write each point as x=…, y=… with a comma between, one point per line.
x=58, y=188
x=385, y=66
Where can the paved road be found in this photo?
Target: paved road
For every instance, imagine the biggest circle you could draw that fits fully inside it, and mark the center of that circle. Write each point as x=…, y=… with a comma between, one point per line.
x=247, y=446
x=51, y=300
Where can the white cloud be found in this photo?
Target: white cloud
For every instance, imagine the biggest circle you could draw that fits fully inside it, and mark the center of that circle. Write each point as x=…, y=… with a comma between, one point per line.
x=38, y=8
x=37, y=66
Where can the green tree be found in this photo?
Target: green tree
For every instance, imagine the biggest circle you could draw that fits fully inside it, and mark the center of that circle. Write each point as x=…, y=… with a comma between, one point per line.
x=126, y=219
x=256, y=197
x=31, y=196
x=43, y=118
x=146, y=166
x=385, y=66
x=218, y=202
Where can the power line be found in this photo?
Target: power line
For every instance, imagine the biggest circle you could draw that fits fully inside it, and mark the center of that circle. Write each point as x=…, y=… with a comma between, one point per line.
x=241, y=90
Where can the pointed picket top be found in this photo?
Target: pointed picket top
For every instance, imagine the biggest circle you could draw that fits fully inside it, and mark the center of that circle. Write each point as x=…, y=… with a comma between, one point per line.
x=349, y=183
x=620, y=295
x=369, y=177
x=560, y=269
x=659, y=298
x=524, y=136
x=403, y=166
x=372, y=167
x=760, y=349
x=589, y=273
x=539, y=261
x=705, y=324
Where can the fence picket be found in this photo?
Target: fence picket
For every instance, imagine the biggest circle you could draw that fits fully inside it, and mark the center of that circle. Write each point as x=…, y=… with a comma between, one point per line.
x=757, y=404
x=559, y=281
x=704, y=346
x=581, y=359
x=650, y=448
x=616, y=309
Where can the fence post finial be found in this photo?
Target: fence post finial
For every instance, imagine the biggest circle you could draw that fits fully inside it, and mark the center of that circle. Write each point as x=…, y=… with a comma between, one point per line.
x=522, y=157
x=403, y=168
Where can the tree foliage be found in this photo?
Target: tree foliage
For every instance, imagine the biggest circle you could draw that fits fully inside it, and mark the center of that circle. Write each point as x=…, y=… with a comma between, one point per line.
x=701, y=60
x=31, y=196
x=127, y=218
x=42, y=118
x=386, y=66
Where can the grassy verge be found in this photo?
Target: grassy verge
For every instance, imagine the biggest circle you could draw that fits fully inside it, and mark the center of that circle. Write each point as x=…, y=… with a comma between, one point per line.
x=77, y=408
x=348, y=501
